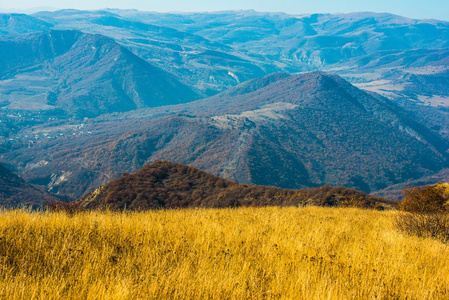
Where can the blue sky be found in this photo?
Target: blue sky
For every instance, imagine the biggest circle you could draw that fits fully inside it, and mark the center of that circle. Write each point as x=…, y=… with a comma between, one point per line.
x=437, y=9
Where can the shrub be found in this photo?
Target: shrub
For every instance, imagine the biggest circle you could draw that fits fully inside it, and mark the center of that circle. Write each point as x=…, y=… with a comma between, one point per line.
x=70, y=208
x=424, y=212
x=433, y=225
x=429, y=199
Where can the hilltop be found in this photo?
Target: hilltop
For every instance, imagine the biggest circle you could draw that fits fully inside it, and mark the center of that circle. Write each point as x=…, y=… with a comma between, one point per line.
x=163, y=184
x=13, y=24
x=214, y=51
x=89, y=95
x=289, y=131
x=85, y=75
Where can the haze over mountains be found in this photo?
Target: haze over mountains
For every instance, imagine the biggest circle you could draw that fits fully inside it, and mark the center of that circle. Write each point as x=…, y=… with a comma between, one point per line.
x=88, y=95
x=285, y=130
x=91, y=74
x=213, y=51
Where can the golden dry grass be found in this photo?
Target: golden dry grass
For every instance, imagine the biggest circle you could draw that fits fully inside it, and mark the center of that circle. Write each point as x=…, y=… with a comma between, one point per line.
x=245, y=253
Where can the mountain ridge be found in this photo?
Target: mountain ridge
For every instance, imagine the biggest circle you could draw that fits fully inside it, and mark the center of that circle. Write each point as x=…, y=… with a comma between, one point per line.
x=87, y=97
x=95, y=74
x=15, y=192
x=163, y=184
x=290, y=131
x=14, y=23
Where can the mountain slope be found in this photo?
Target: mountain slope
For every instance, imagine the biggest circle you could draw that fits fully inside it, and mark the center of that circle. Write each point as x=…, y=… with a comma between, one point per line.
x=207, y=66
x=11, y=24
x=316, y=39
x=289, y=131
x=320, y=126
x=395, y=192
x=29, y=51
x=94, y=74
x=240, y=45
x=15, y=192
x=168, y=185
x=363, y=46
x=121, y=81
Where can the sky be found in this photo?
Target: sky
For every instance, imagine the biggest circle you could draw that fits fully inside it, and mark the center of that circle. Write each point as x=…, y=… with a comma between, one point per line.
x=419, y=9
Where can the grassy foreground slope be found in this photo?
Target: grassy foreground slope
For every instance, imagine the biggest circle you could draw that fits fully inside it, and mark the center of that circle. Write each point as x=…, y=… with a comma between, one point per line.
x=245, y=253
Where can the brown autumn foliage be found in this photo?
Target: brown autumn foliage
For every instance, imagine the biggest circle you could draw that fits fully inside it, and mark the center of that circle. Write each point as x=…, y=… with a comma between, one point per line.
x=424, y=212
x=15, y=192
x=169, y=185
x=71, y=208
x=433, y=225
x=428, y=199
x=287, y=152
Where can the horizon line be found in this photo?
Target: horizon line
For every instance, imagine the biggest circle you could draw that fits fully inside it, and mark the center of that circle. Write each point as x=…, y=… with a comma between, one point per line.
x=33, y=10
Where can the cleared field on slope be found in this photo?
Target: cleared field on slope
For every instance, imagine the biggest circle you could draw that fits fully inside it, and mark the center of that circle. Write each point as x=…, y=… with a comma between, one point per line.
x=245, y=253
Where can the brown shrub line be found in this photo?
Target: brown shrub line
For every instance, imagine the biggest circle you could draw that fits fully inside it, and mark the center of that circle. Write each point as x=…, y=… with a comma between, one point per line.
x=70, y=208
x=424, y=225
x=424, y=212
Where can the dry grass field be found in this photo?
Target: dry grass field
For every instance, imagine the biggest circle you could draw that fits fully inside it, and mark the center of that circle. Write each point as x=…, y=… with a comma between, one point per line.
x=245, y=253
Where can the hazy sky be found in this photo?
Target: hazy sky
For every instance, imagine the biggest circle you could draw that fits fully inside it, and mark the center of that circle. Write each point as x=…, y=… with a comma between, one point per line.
x=437, y=9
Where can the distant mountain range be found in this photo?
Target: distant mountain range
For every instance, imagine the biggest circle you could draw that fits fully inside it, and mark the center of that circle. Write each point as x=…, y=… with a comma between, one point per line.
x=11, y=24
x=290, y=131
x=363, y=47
x=93, y=74
x=214, y=51
x=360, y=100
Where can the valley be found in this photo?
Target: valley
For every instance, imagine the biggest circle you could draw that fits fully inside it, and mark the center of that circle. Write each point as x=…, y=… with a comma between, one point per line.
x=223, y=155
x=310, y=100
